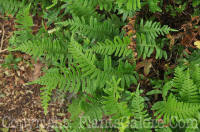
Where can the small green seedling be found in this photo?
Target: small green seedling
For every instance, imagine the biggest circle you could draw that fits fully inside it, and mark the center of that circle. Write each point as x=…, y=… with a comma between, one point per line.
x=11, y=62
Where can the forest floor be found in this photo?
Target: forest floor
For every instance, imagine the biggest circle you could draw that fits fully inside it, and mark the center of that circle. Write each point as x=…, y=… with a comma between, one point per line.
x=20, y=104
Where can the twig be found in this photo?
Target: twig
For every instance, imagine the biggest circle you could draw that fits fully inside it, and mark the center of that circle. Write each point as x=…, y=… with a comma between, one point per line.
x=2, y=38
x=1, y=51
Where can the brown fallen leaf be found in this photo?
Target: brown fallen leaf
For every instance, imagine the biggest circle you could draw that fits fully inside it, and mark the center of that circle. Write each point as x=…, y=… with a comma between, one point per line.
x=37, y=70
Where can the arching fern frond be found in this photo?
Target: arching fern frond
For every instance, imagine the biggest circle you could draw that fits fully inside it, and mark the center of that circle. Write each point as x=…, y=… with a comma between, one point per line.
x=75, y=81
x=86, y=61
x=84, y=110
x=129, y=4
x=38, y=47
x=140, y=114
x=50, y=81
x=81, y=8
x=11, y=7
x=111, y=102
x=146, y=46
x=118, y=47
x=178, y=79
x=24, y=27
x=173, y=110
x=195, y=74
x=94, y=29
x=153, y=29
x=189, y=91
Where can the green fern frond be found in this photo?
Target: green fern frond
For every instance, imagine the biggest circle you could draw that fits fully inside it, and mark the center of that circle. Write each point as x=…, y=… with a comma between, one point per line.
x=84, y=110
x=81, y=8
x=153, y=29
x=94, y=29
x=24, y=19
x=51, y=80
x=11, y=7
x=142, y=120
x=87, y=63
x=76, y=82
x=178, y=79
x=189, y=91
x=195, y=74
x=153, y=5
x=129, y=4
x=173, y=110
x=24, y=27
x=105, y=4
x=39, y=47
x=146, y=47
x=111, y=103
x=118, y=47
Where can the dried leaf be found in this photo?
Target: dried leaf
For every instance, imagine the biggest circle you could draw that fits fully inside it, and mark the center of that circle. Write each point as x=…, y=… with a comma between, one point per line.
x=197, y=43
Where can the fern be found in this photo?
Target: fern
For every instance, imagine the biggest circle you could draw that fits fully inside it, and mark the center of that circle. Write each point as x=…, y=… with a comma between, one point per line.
x=189, y=91
x=146, y=47
x=51, y=80
x=24, y=27
x=183, y=101
x=81, y=8
x=146, y=39
x=51, y=49
x=105, y=4
x=129, y=4
x=153, y=5
x=11, y=7
x=178, y=80
x=87, y=62
x=141, y=118
x=94, y=29
x=195, y=74
x=118, y=47
x=173, y=110
x=112, y=106
x=185, y=86
x=153, y=29
x=77, y=82
x=84, y=113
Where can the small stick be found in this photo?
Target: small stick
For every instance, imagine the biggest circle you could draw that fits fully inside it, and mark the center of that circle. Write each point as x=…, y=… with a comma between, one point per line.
x=2, y=38
x=1, y=51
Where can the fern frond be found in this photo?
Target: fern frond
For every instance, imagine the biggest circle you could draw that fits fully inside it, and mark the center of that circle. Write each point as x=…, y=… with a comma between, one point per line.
x=189, y=91
x=11, y=7
x=153, y=5
x=81, y=8
x=154, y=29
x=87, y=63
x=111, y=103
x=173, y=110
x=24, y=27
x=195, y=74
x=93, y=29
x=130, y=4
x=75, y=81
x=146, y=46
x=178, y=79
x=140, y=114
x=84, y=112
x=39, y=47
x=118, y=47
x=51, y=80
x=105, y=4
